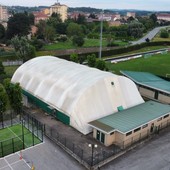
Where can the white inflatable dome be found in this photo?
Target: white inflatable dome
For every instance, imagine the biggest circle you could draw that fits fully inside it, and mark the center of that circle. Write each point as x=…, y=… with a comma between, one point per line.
x=82, y=93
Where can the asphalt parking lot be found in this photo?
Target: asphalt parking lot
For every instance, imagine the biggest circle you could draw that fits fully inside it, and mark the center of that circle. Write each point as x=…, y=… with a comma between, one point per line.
x=153, y=155
x=45, y=156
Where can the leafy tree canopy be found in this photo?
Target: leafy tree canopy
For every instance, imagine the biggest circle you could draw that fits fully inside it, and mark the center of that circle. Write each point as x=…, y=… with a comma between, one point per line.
x=23, y=48
x=18, y=24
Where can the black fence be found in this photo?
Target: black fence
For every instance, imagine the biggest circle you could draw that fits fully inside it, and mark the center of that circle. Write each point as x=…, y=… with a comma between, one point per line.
x=93, y=156
x=9, y=118
x=33, y=125
x=33, y=136
x=90, y=155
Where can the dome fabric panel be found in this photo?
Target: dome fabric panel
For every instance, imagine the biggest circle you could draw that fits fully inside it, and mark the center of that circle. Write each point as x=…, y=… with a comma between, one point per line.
x=81, y=92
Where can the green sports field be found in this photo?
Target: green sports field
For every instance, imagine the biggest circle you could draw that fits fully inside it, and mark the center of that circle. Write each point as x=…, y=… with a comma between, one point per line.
x=11, y=139
x=158, y=64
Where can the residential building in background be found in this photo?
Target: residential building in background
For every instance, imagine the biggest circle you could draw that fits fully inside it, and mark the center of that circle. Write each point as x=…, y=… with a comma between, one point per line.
x=59, y=9
x=131, y=14
x=163, y=16
x=3, y=13
x=40, y=16
x=46, y=11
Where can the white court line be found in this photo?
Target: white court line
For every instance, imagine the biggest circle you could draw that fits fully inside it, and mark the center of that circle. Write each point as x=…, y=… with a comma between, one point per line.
x=11, y=164
x=8, y=164
x=17, y=136
x=24, y=161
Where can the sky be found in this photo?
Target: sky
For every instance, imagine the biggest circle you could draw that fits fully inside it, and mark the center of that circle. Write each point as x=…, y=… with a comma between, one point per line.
x=155, y=5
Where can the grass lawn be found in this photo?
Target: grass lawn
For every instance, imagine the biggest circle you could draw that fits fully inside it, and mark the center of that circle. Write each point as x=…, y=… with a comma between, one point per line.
x=10, y=70
x=11, y=139
x=88, y=43
x=145, y=49
x=158, y=64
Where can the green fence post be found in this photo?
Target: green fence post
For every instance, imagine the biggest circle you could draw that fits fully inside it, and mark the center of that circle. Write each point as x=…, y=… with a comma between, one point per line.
x=32, y=134
x=2, y=149
x=13, y=145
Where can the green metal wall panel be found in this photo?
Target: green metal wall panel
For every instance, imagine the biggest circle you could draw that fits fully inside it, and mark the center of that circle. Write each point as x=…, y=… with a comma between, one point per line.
x=44, y=106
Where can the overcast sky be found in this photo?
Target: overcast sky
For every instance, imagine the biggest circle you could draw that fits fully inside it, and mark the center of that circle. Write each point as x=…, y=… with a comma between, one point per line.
x=104, y=4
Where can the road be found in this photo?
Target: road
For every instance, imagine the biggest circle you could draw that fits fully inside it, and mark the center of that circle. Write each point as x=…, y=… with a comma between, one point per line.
x=150, y=35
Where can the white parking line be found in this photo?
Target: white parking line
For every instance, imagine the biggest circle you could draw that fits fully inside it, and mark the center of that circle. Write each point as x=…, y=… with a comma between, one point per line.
x=8, y=164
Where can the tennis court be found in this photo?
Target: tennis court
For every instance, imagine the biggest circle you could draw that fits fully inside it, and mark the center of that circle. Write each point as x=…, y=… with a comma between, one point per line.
x=16, y=138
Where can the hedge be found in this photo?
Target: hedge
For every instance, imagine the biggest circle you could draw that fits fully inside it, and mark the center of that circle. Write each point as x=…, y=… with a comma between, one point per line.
x=119, y=50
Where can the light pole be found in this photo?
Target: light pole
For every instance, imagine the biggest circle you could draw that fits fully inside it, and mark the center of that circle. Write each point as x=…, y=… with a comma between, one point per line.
x=92, y=146
x=23, y=142
x=101, y=34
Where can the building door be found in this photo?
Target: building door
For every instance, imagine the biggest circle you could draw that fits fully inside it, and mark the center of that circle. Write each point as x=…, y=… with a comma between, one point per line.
x=152, y=127
x=98, y=135
x=102, y=137
x=156, y=95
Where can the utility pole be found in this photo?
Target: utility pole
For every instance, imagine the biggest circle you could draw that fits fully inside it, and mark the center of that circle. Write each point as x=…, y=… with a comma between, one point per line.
x=101, y=34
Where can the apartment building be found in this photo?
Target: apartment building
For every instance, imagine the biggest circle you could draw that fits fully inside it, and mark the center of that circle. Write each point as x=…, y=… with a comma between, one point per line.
x=3, y=13
x=60, y=9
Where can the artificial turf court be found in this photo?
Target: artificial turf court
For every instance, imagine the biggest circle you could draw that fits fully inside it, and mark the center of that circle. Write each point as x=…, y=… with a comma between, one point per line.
x=11, y=139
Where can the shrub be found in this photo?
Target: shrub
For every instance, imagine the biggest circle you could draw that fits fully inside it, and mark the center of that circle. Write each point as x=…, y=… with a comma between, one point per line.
x=78, y=41
x=164, y=34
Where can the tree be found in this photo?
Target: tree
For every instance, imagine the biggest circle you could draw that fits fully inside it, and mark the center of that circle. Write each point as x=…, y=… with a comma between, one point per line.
x=78, y=41
x=61, y=28
x=17, y=98
x=18, y=24
x=2, y=31
x=3, y=101
x=74, y=58
x=153, y=17
x=14, y=92
x=100, y=64
x=54, y=20
x=135, y=29
x=93, y=16
x=31, y=19
x=49, y=34
x=41, y=29
x=164, y=33
x=22, y=48
x=81, y=19
x=2, y=72
x=91, y=60
x=74, y=29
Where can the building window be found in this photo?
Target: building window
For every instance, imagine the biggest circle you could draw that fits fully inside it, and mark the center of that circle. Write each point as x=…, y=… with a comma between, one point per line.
x=120, y=108
x=129, y=133
x=144, y=126
x=111, y=133
x=159, y=119
x=112, y=83
x=137, y=130
x=166, y=116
